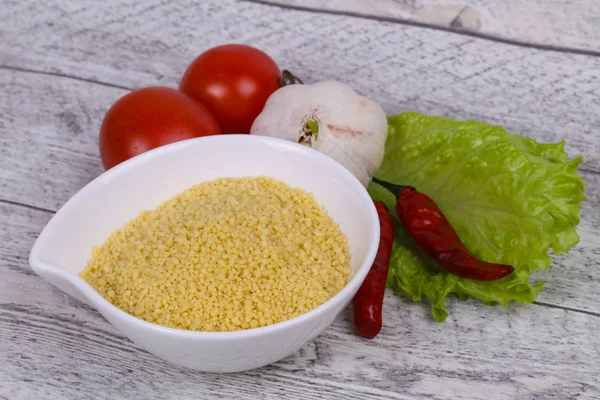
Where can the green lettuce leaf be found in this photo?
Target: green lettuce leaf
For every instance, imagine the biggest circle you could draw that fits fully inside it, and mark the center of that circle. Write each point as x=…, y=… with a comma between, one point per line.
x=509, y=198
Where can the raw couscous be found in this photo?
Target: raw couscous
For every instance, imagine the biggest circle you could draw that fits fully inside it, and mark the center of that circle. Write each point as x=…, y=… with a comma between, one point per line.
x=224, y=255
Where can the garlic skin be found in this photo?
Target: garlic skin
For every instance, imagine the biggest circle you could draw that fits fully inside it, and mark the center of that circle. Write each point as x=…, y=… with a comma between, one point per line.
x=351, y=128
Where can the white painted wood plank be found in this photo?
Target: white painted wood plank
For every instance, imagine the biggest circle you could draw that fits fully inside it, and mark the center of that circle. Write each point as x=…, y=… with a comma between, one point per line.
x=32, y=308
x=403, y=68
x=58, y=155
x=569, y=24
x=55, y=347
x=548, y=94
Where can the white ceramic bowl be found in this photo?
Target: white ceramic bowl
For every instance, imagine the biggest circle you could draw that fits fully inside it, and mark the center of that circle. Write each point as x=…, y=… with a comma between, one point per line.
x=109, y=201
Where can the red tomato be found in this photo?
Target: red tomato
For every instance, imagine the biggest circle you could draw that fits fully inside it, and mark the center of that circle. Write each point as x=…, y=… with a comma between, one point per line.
x=148, y=118
x=233, y=81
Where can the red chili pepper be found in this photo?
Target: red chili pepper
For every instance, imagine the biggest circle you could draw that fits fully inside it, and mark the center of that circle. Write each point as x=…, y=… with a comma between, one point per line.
x=368, y=301
x=433, y=233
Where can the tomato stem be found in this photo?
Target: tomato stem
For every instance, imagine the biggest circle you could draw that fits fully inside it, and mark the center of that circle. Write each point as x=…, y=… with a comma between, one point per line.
x=289, y=79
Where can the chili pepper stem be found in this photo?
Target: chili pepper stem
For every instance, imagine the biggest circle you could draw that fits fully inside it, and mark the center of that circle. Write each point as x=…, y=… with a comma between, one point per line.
x=395, y=189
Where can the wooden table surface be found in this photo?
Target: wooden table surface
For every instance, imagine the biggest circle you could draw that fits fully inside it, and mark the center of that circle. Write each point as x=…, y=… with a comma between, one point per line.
x=63, y=63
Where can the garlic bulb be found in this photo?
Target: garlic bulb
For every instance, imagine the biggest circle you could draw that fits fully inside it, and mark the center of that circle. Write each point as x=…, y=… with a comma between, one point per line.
x=329, y=117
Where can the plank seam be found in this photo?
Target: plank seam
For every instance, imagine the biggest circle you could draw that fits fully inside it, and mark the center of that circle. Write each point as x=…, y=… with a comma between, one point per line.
x=556, y=306
x=400, y=21
x=61, y=75
x=47, y=210
x=16, y=203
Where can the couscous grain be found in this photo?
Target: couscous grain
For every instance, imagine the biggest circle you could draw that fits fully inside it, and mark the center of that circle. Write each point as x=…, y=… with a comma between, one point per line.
x=224, y=255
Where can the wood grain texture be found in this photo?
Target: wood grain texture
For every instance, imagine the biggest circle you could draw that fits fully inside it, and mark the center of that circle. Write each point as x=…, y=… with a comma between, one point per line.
x=546, y=94
x=60, y=70
x=405, y=68
x=55, y=347
x=573, y=24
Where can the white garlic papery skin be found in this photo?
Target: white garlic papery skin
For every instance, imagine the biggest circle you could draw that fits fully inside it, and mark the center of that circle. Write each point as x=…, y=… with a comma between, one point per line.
x=351, y=128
